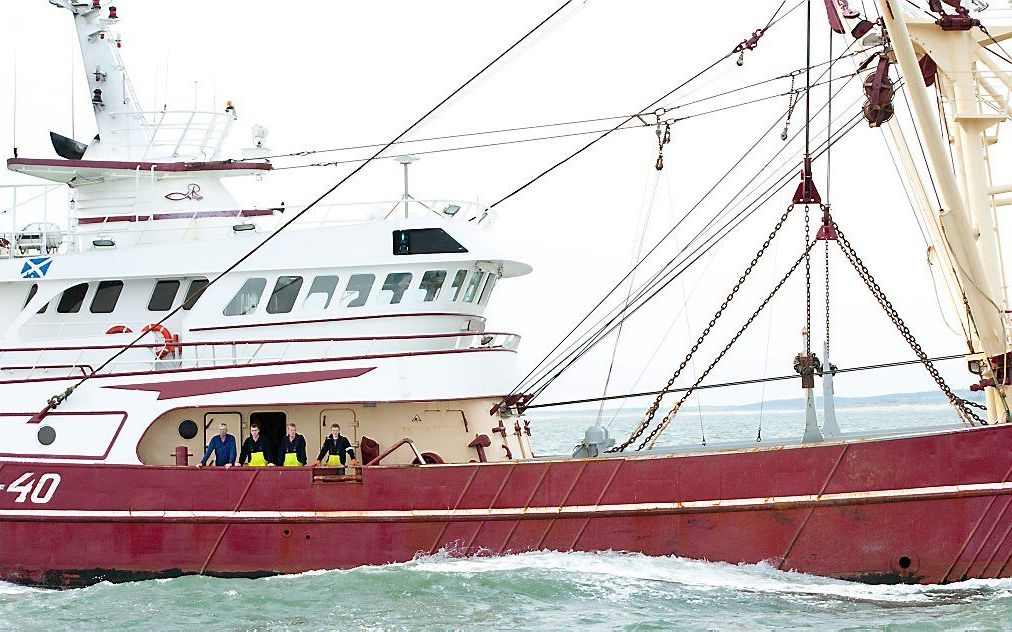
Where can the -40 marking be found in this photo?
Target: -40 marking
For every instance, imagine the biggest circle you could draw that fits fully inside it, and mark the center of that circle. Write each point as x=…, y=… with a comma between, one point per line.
x=27, y=488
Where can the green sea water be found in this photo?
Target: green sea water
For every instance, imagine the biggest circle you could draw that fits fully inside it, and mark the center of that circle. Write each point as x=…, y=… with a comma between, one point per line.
x=544, y=590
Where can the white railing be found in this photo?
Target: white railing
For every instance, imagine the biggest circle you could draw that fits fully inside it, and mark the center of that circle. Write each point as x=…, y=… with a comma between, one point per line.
x=174, y=134
x=28, y=363
x=30, y=231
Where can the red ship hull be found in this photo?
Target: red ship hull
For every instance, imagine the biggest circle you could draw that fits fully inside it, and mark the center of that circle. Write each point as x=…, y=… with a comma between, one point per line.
x=928, y=509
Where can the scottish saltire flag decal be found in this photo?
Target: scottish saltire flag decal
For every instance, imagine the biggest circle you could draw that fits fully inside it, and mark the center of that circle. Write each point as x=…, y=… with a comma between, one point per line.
x=36, y=267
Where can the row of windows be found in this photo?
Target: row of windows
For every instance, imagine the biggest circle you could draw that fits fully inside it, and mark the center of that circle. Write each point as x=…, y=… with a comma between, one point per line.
x=397, y=287
x=107, y=296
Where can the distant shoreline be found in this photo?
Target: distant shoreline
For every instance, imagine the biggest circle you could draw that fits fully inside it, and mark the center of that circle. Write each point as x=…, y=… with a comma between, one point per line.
x=918, y=398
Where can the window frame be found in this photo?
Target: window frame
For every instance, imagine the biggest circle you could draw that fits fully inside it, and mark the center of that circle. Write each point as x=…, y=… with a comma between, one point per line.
x=314, y=290
x=438, y=288
x=154, y=292
x=361, y=299
x=192, y=296
x=76, y=308
x=274, y=306
x=251, y=281
x=390, y=285
x=106, y=285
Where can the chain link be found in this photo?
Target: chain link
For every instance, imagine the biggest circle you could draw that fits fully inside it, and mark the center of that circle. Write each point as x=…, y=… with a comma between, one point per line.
x=808, y=283
x=652, y=411
x=827, y=296
x=659, y=428
x=962, y=409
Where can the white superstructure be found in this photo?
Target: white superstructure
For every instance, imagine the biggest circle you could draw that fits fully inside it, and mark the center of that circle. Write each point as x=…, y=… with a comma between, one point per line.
x=377, y=325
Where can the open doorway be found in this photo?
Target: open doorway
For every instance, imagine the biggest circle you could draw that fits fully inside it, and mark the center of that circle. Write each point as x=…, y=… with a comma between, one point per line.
x=272, y=427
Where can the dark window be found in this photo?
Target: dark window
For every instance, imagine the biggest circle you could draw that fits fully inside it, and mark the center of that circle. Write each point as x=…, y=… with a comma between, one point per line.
x=31, y=294
x=164, y=296
x=106, y=296
x=282, y=299
x=432, y=282
x=72, y=299
x=425, y=241
x=458, y=283
x=394, y=287
x=197, y=287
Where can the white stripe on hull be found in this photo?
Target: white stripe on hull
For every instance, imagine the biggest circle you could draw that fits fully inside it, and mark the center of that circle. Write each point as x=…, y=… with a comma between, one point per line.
x=772, y=502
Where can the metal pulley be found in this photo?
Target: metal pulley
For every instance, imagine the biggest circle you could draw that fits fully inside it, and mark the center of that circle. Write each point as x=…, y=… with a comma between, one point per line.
x=879, y=89
x=663, y=138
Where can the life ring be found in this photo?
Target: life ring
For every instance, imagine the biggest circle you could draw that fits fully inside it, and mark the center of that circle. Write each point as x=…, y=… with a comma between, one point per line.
x=162, y=352
x=119, y=329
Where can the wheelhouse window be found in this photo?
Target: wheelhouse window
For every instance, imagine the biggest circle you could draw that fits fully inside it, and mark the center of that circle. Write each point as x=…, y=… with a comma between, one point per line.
x=396, y=284
x=458, y=283
x=472, y=287
x=106, y=297
x=247, y=298
x=282, y=299
x=72, y=299
x=193, y=294
x=487, y=290
x=321, y=293
x=425, y=241
x=32, y=291
x=432, y=282
x=163, y=296
x=358, y=289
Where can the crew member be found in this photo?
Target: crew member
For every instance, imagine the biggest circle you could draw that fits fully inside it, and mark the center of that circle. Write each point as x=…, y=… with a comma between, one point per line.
x=223, y=446
x=255, y=448
x=294, y=446
x=338, y=448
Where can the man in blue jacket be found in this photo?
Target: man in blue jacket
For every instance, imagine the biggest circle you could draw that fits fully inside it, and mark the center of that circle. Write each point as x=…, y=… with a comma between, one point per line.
x=223, y=446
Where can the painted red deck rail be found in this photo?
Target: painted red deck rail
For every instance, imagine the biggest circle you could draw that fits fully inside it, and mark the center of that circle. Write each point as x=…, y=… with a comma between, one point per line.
x=218, y=343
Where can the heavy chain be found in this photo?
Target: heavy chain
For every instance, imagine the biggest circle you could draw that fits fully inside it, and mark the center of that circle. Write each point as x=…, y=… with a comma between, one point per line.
x=827, y=295
x=652, y=411
x=962, y=409
x=808, y=284
x=659, y=428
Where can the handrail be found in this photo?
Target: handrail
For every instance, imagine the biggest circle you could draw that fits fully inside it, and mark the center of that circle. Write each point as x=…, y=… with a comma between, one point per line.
x=391, y=449
x=219, y=343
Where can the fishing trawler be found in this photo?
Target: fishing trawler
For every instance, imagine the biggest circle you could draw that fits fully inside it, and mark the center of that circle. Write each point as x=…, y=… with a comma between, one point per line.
x=166, y=307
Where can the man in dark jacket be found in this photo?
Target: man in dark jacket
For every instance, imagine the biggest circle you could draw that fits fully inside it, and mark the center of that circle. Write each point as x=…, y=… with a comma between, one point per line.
x=339, y=449
x=256, y=449
x=293, y=448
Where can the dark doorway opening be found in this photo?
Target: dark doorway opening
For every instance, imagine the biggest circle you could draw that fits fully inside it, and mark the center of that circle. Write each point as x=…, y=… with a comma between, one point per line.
x=272, y=427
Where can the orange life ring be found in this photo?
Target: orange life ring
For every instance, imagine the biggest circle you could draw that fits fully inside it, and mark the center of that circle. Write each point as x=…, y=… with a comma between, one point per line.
x=119, y=329
x=162, y=352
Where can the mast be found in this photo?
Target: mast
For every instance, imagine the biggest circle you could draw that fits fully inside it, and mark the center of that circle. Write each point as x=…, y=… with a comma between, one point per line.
x=118, y=116
x=967, y=231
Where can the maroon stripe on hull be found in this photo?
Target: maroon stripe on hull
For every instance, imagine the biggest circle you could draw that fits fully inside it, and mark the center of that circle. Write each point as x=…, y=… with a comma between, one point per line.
x=188, y=388
x=893, y=513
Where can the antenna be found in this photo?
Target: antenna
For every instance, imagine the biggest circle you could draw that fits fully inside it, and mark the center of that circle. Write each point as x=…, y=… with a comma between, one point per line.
x=406, y=160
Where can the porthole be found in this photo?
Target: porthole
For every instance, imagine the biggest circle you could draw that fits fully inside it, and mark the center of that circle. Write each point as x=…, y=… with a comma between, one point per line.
x=47, y=435
x=187, y=429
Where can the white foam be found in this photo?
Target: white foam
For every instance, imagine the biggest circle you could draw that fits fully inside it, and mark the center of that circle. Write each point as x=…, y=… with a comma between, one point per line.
x=702, y=576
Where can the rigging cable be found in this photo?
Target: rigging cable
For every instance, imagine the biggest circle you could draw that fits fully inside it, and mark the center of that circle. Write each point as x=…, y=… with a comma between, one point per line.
x=784, y=179
x=778, y=378
x=545, y=380
x=773, y=20
x=657, y=245
x=523, y=128
x=56, y=400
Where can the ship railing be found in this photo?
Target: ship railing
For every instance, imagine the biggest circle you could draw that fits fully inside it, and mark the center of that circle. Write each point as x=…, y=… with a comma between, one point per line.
x=172, y=134
x=32, y=231
x=28, y=363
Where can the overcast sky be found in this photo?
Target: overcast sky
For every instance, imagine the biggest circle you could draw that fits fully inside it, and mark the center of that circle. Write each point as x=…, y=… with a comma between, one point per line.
x=337, y=73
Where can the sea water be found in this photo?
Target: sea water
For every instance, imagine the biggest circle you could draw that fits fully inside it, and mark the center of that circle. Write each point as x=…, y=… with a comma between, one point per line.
x=547, y=590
